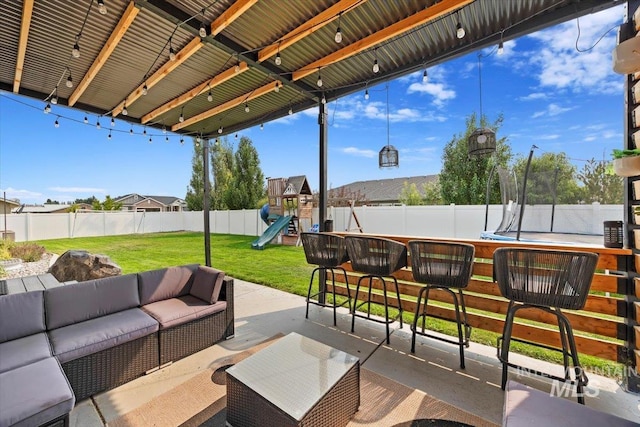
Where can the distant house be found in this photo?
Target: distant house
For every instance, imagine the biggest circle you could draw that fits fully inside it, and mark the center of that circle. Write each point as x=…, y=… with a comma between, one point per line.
x=8, y=205
x=377, y=192
x=137, y=202
x=46, y=208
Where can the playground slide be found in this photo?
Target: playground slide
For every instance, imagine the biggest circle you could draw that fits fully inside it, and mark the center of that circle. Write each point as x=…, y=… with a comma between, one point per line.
x=270, y=233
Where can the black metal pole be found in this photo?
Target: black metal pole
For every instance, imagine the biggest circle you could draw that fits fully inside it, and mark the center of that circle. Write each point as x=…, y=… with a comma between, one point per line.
x=322, y=199
x=555, y=196
x=205, y=202
x=524, y=191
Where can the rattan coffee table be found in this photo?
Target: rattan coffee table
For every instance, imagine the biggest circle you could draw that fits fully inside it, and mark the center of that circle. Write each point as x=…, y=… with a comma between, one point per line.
x=295, y=381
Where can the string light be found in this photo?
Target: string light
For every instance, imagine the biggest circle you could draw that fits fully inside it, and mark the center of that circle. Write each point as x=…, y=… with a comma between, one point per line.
x=181, y=141
x=75, y=52
x=164, y=129
x=47, y=108
x=69, y=82
x=145, y=89
x=425, y=76
x=166, y=139
x=246, y=108
x=460, y=33
x=125, y=112
x=144, y=131
x=209, y=95
x=500, y=48
x=278, y=59
x=338, y=36
x=57, y=123
x=198, y=139
x=203, y=30
x=261, y=126
x=109, y=136
x=102, y=8
x=150, y=140
x=54, y=98
x=85, y=120
x=172, y=53
x=236, y=136
x=98, y=124
x=113, y=122
x=323, y=100
x=319, y=82
x=220, y=129
x=131, y=130
x=366, y=94
x=277, y=88
x=181, y=118
x=237, y=67
x=376, y=67
x=290, y=111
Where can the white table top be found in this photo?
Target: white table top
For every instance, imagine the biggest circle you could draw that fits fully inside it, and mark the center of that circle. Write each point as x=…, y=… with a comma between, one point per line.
x=293, y=373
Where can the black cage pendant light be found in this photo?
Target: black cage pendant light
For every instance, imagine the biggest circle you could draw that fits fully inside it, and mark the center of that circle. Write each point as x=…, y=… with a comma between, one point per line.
x=482, y=140
x=388, y=157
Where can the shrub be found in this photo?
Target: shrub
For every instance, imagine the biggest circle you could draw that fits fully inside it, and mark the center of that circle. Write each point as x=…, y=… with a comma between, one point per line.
x=27, y=252
x=4, y=249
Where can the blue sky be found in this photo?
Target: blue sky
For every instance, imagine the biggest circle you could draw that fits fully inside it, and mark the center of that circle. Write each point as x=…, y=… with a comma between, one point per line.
x=551, y=95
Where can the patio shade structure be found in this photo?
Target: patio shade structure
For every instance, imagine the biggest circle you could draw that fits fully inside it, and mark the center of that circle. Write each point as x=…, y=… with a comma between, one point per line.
x=212, y=68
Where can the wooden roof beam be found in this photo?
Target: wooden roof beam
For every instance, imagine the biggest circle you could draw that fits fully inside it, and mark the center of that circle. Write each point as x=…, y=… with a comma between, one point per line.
x=231, y=14
x=27, y=12
x=187, y=96
x=309, y=27
x=263, y=90
x=192, y=47
x=444, y=7
x=119, y=31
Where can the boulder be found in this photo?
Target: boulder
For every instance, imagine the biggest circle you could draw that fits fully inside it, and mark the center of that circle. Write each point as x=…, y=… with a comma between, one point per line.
x=80, y=265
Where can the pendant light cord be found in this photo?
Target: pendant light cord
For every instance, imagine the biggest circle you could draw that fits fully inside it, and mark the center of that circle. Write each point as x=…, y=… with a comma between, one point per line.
x=480, y=88
x=387, y=114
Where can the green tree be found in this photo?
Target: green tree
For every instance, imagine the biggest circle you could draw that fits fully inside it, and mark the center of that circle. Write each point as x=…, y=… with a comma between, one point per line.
x=549, y=173
x=195, y=190
x=247, y=184
x=463, y=180
x=600, y=186
x=222, y=168
x=433, y=193
x=108, y=205
x=88, y=201
x=410, y=195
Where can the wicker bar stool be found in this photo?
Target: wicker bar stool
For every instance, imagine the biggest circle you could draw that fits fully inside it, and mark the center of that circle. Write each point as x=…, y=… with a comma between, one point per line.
x=549, y=280
x=377, y=258
x=328, y=252
x=446, y=266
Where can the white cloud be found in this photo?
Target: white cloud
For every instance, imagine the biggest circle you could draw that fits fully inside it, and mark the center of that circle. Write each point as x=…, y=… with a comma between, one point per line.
x=561, y=66
x=22, y=195
x=438, y=91
x=548, y=137
x=77, y=190
x=359, y=152
x=552, y=110
x=534, y=96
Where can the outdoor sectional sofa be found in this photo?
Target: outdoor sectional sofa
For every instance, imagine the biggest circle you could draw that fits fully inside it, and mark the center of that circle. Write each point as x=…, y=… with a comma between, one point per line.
x=64, y=344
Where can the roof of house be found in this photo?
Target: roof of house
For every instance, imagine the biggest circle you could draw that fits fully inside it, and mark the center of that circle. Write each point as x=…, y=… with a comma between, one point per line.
x=10, y=201
x=46, y=208
x=134, y=198
x=380, y=190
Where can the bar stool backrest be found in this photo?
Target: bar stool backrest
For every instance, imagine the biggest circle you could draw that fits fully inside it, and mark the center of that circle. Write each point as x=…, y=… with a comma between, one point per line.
x=447, y=264
x=376, y=255
x=549, y=278
x=323, y=249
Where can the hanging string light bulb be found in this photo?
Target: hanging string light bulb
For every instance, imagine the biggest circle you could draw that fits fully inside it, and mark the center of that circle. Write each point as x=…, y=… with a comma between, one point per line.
x=319, y=82
x=277, y=88
x=109, y=136
x=425, y=76
x=278, y=59
x=220, y=129
x=366, y=94
x=145, y=89
x=75, y=52
x=181, y=118
x=85, y=120
x=164, y=129
x=131, y=130
x=125, y=112
x=98, y=124
x=113, y=122
x=102, y=8
x=54, y=97
x=290, y=111
x=246, y=108
x=323, y=100
x=166, y=139
x=181, y=141
x=56, y=123
x=261, y=126
x=47, y=108
x=209, y=96
x=338, y=36
x=69, y=82
x=172, y=53
x=203, y=30
x=460, y=32
x=376, y=67
x=500, y=48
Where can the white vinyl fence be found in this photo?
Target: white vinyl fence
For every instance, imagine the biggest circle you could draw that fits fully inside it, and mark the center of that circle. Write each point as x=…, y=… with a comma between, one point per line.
x=428, y=221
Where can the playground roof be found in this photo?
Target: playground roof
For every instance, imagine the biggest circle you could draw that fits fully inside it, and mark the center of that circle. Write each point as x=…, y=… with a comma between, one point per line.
x=231, y=78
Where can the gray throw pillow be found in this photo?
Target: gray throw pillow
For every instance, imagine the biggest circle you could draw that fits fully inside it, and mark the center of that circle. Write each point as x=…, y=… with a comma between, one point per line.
x=207, y=283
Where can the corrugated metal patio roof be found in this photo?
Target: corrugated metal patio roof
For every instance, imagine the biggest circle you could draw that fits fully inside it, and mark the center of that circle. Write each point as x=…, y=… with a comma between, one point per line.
x=128, y=48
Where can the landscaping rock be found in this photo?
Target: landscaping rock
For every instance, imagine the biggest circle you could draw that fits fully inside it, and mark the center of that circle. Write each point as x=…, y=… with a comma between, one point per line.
x=80, y=265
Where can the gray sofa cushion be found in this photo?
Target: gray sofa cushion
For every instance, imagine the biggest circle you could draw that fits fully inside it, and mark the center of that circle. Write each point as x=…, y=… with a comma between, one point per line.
x=176, y=311
x=84, y=338
x=34, y=394
x=157, y=285
x=82, y=301
x=21, y=315
x=207, y=283
x=22, y=351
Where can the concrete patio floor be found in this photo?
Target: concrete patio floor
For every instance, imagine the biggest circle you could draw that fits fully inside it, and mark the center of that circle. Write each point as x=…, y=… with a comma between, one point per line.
x=263, y=312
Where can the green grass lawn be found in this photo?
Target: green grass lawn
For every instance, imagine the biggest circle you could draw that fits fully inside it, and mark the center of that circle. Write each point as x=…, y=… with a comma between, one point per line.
x=277, y=266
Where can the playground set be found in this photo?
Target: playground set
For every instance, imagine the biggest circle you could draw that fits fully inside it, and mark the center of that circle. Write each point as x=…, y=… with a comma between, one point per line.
x=289, y=209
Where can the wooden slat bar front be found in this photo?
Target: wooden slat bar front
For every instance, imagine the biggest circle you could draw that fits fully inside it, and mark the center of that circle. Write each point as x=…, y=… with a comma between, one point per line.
x=603, y=315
